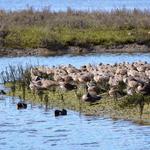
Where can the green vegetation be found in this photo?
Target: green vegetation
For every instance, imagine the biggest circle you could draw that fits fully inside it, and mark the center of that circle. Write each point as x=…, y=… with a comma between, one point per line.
x=46, y=29
x=33, y=37
x=120, y=109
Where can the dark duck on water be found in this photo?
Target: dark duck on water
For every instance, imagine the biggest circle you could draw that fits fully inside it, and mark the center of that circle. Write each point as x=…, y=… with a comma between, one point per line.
x=21, y=105
x=2, y=92
x=62, y=112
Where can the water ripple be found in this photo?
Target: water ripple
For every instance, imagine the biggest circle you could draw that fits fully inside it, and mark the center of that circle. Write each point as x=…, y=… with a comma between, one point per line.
x=61, y=130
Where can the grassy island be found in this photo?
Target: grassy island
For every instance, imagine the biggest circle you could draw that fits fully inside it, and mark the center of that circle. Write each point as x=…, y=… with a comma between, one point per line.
x=117, y=91
x=81, y=31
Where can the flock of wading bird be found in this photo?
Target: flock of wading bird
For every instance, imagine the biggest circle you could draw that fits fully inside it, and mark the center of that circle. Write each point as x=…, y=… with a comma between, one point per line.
x=117, y=80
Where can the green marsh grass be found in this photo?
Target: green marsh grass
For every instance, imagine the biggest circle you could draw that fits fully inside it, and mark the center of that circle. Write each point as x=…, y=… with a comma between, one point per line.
x=35, y=29
x=105, y=107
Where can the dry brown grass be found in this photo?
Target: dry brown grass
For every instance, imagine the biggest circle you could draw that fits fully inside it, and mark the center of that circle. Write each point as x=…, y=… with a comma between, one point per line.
x=119, y=19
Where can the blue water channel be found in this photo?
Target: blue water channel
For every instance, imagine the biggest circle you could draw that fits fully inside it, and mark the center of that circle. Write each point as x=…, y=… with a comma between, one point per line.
x=36, y=128
x=76, y=60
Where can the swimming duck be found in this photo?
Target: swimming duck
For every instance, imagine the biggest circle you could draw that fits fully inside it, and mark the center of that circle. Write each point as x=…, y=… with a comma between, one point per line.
x=21, y=105
x=2, y=92
x=62, y=112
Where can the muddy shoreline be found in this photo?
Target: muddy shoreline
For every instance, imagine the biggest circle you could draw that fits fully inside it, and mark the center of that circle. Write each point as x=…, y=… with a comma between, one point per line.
x=128, y=48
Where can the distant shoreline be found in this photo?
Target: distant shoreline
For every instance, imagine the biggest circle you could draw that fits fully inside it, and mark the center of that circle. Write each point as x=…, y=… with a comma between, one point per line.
x=32, y=32
x=76, y=50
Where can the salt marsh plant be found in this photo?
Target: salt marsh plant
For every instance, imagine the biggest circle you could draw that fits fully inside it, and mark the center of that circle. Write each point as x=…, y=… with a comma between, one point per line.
x=33, y=29
x=17, y=75
x=136, y=100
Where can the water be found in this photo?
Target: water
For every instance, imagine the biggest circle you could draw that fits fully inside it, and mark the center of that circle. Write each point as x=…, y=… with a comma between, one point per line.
x=35, y=128
x=75, y=4
x=74, y=60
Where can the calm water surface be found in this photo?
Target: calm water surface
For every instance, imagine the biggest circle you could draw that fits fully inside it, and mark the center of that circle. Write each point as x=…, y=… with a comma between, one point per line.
x=74, y=60
x=75, y=4
x=35, y=128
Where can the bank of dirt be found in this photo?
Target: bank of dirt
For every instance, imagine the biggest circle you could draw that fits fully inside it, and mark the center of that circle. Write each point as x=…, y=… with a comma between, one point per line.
x=128, y=48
